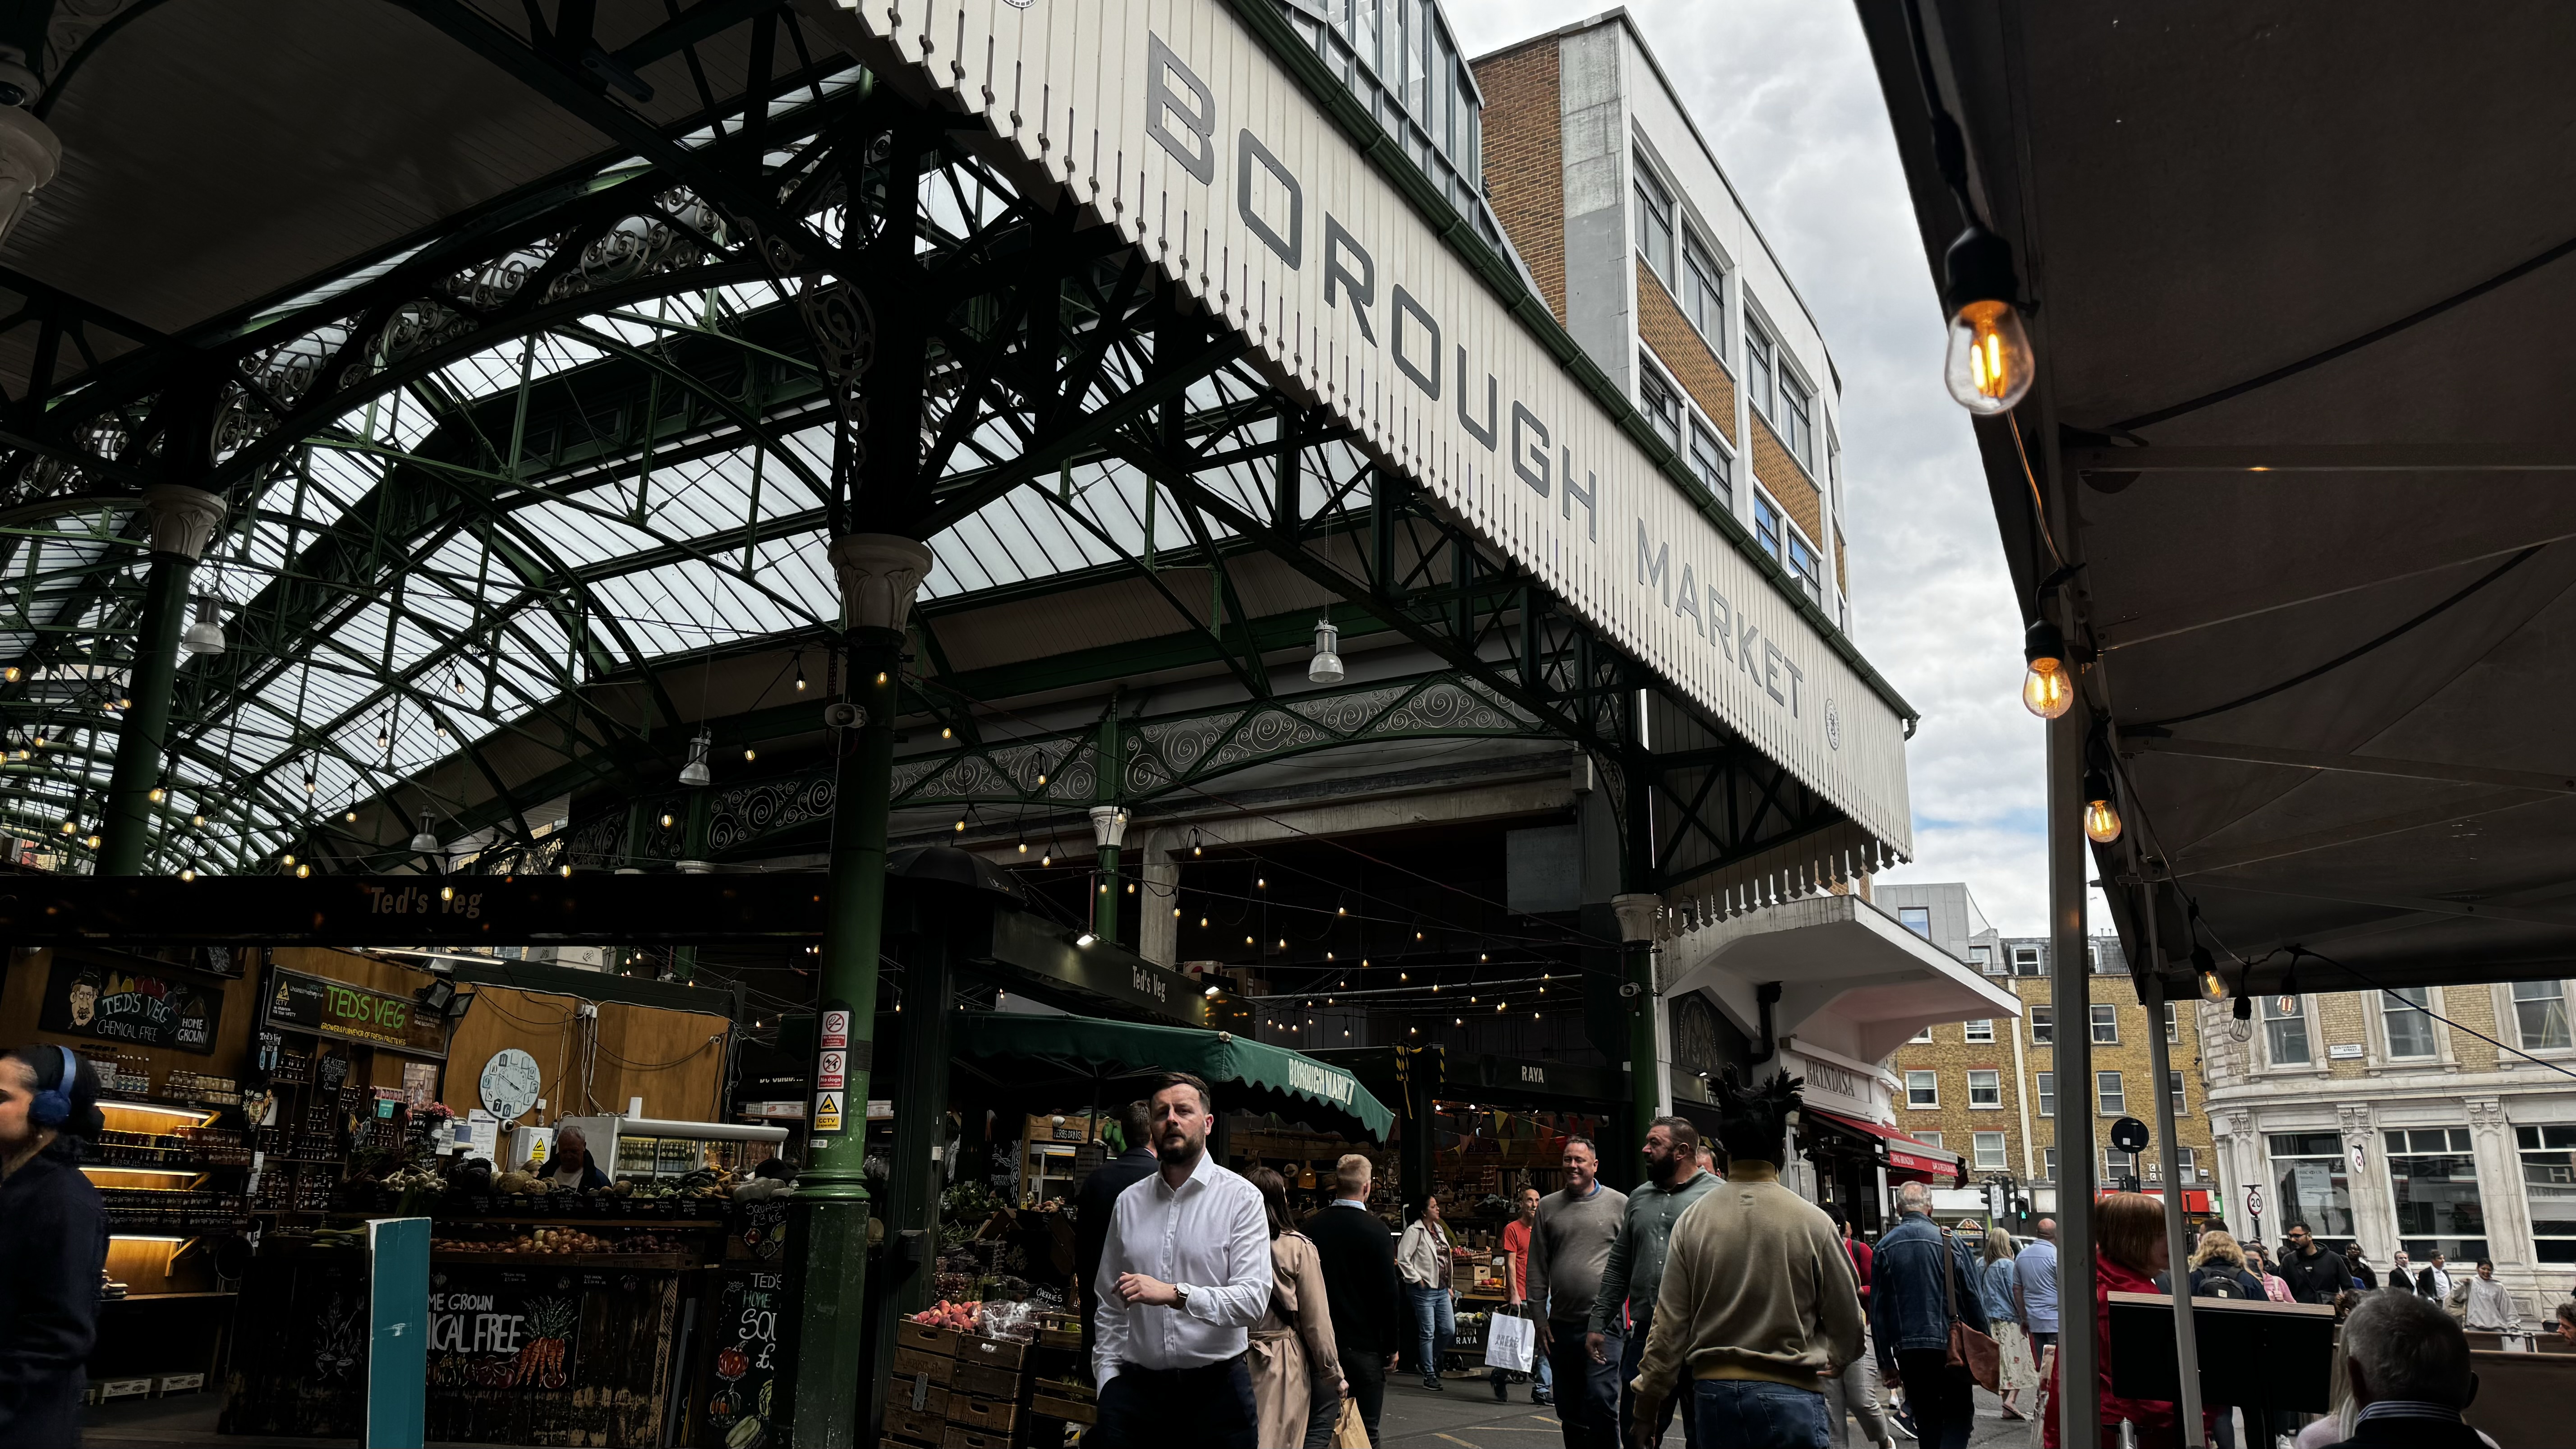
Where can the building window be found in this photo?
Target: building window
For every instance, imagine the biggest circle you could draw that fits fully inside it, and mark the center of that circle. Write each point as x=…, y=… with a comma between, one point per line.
x=2540, y=1014
x=2186, y=1166
x=2286, y=1032
x=1654, y=222
x=1803, y=566
x=1990, y=1151
x=1982, y=1029
x=2113, y=1097
x=2404, y=1011
x=1922, y=1089
x=1797, y=429
x=2025, y=961
x=2434, y=1178
x=1929, y=1139
x=1704, y=292
x=2308, y=1170
x=1923, y=1036
x=2043, y=1025
x=1708, y=461
x=2106, y=1026
x=1986, y=1090
x=1661, y=405
x=2173, y=1024
x=2117, y=1166
x=2048, y=1164
x=2048, y=1094
x=2173, y=1082
x=2549, y=1181
x=2107, y=961
x=1766, y=525
x=1917, y=919
x=1982, y=959
x=1757, y=366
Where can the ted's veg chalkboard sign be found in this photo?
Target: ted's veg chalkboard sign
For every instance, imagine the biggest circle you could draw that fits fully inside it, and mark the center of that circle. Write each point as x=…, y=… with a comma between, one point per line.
x=744, y=1337
x=334, y=1008
x=140, y=1009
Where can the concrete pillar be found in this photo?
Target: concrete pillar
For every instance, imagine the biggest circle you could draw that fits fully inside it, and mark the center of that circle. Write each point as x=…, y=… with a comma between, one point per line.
x=1158, y=933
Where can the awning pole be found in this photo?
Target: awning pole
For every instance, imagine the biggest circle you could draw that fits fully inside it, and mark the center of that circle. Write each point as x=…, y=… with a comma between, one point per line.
x=2160, y=1060
x=2080, y=1385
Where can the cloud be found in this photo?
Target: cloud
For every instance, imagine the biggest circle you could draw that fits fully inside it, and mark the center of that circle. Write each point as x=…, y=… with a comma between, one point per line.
x=1786, y=95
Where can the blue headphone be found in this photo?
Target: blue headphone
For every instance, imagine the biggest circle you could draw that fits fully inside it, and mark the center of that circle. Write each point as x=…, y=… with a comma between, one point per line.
x=53, y=1105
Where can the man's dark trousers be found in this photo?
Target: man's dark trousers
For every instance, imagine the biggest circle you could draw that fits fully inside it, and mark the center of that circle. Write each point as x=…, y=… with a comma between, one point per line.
x=1640, y=1324
x=1366, y=1370
x=1153, y=1408
x=1943, y=1398
x=1587, y=1393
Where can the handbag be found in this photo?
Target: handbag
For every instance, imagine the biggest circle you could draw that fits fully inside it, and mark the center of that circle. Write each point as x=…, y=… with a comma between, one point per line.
x=1969, y=1349
x=1510, y=1342
x=1352, y=1431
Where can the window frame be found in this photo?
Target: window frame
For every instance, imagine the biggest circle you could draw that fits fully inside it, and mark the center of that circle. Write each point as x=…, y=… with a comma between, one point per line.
x=2119, y=1092
x=1795, y=421
x=1655, y=205
x=2047, y=1093
x=1922, y=1037
x=2297, y=1021
x=1997, y=1087
x=2515, y=1001
x=1912, y=1105
x=2173, y=1025
x=1713, y=465
x=2112, y=1167
x=2532, y=1140
x=1703, y=277
x=1660, y=399
x=1930, y=1139
x=1985, y=1024
x=1770, y=524
x=2423, y=1013
x=1761, y=365
x=1977, y=1144
x=2027, y=956
x=2105, y=1015
x=2043, y=1024
x=2048, y=1164
x=1906, y=915
x=2182, y=1105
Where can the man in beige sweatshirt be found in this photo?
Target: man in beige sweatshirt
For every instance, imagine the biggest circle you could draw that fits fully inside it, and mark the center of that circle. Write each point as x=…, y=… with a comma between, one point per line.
x=1758, y=1303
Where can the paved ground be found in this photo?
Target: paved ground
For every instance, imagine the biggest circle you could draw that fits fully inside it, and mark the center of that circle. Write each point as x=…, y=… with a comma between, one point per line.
x=1466, y=1417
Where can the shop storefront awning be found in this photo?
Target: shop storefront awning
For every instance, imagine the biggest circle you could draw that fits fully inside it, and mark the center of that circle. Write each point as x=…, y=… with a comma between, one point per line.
x=1903, y=1152
x=1218, y=1056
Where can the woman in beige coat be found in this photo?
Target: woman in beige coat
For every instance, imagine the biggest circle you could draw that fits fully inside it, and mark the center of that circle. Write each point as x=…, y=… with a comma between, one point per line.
x=1296, y=1332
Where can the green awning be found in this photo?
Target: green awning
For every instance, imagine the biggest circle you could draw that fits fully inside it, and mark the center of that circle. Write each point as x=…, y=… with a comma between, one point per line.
x=1218, y=1056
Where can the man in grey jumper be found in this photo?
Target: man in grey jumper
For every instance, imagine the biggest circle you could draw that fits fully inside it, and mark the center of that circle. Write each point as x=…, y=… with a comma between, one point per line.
x=1635, y=1273
x=1569, y=1249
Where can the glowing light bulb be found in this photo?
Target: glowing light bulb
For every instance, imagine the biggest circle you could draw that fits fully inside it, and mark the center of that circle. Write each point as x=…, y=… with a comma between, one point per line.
x=1024, y=847
x=2101, y=821
x=158, y=795
x=2213, y=987
x=749, y=755
x=1988, y=364
x=447, y=893
x=69, y=828
x=188, y=874
x=290, y=859
x=666, y=821
x=563, y=870
x=303, y=871
x=1049, y=859
x=2048, y=690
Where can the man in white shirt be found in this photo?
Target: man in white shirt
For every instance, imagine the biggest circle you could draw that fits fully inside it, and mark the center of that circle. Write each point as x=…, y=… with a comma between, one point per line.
x=1185, y=1273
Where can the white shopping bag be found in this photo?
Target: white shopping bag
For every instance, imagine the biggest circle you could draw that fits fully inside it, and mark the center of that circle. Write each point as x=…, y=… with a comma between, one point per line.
x=1510, y=1343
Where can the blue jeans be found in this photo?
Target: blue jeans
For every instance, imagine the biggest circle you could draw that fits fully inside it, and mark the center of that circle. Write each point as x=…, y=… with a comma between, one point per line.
x=1642, y=1323
x=1435, y=1321
x=1754, y=1414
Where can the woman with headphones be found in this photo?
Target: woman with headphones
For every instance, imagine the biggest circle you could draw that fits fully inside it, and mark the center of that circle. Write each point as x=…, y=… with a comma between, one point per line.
x=53, y=1245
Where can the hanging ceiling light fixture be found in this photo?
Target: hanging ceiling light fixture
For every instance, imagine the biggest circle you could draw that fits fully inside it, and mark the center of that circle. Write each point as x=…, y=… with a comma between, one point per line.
x=2048, y=689
x=1326, y=667
x=2213, y=987
x=425, y=839
x=2101, y=810
x=695, y=773
x=800, y=671
x=206, y=636
x=29, y=152
x=1987, y=366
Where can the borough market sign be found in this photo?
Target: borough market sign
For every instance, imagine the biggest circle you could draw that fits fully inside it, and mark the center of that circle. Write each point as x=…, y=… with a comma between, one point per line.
x=1170, y=120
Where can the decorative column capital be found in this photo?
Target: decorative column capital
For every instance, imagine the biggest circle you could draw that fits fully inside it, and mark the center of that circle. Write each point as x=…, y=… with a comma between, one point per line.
x=183, y=519
x=1639, y=916
x=880, y=573
x=1108, y=826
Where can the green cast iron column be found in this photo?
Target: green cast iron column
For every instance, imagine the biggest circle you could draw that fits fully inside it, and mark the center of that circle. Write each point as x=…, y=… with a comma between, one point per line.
x=828, y=1229
x=182, y=520
x=1108, y=829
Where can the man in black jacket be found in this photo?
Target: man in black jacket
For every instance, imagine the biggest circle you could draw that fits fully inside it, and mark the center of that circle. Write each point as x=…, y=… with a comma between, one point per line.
x=53, y=1241
x=2314, y=1275
x=2364, y=1277
x=1097, y=1199
x=1360, y=1286
x=2408, y=1364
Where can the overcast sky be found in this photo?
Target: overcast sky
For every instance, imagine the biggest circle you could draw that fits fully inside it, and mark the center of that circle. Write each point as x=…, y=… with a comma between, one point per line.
x=1784, y=91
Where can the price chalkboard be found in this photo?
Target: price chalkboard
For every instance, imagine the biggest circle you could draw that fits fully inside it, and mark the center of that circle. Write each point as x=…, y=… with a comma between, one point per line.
x=744, y=1338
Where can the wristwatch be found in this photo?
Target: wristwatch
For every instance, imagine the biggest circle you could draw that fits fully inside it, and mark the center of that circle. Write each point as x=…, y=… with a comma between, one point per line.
x=1181, y=1297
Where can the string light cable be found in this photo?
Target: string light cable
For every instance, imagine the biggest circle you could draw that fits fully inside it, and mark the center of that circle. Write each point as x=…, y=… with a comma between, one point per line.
x=2297, y=951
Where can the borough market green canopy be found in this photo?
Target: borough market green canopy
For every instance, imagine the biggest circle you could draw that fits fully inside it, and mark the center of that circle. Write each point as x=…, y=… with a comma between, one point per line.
x=1217, y=1056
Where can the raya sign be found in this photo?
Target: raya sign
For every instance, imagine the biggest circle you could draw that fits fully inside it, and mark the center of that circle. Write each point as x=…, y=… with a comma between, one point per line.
x=1169, y=120
x=123, y=1006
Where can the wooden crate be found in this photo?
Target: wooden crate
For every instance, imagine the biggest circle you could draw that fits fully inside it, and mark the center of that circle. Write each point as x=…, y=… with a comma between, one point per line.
x=993, y=1415
x=991, y=1352
x=933, y=1400
x=1071, y=1411
x=929, y=1338
x=918, y=1428
x=911, y=1361
x=891, y=1442
x=982, y=1382
x=961, y=1437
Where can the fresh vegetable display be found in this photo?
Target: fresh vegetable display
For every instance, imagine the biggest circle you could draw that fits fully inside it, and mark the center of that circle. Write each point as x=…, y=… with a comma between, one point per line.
x=960, y=1316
